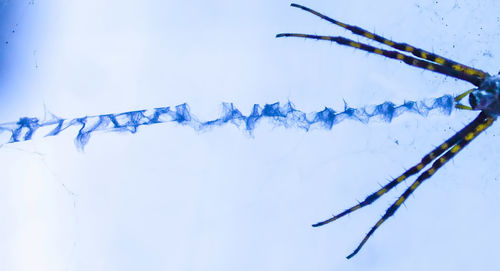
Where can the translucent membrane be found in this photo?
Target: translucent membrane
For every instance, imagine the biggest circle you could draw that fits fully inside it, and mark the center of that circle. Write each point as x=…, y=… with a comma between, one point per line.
x=283, y=115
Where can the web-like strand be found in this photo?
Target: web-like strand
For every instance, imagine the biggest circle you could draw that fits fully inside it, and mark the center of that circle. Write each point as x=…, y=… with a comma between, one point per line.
x=284, y=115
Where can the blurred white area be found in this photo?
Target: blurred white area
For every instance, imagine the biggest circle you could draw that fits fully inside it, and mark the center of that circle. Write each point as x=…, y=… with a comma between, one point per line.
x=169, y=198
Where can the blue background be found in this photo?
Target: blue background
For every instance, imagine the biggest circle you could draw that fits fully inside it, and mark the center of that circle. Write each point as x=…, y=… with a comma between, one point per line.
x=171, y=198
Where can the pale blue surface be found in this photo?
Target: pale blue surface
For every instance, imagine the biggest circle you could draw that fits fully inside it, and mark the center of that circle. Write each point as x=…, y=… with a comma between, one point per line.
x=171, y=198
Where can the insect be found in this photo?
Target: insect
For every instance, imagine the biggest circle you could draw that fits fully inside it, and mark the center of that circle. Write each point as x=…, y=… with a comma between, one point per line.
x=484, y=97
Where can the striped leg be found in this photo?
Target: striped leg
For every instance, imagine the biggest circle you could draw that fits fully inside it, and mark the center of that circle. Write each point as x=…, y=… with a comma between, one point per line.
x=479, y=127
x=412, y=61
x=401, y=46
x=450, y=142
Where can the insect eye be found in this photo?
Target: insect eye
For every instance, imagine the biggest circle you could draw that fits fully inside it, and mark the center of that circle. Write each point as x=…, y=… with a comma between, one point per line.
x=473, y=100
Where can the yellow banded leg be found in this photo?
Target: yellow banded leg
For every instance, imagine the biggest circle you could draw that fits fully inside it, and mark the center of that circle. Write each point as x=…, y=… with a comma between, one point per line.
x=479, y=127
x=457, y=67
x=427, y=159
x=412, y=61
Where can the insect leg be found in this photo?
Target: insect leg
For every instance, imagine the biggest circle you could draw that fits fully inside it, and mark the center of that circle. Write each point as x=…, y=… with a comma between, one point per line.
x=412, y=61
x=431, y=156
x=401, y=46
x=479, y=127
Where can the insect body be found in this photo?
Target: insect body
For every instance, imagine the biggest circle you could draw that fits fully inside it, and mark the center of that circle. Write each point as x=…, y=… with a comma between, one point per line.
x=485, y=98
